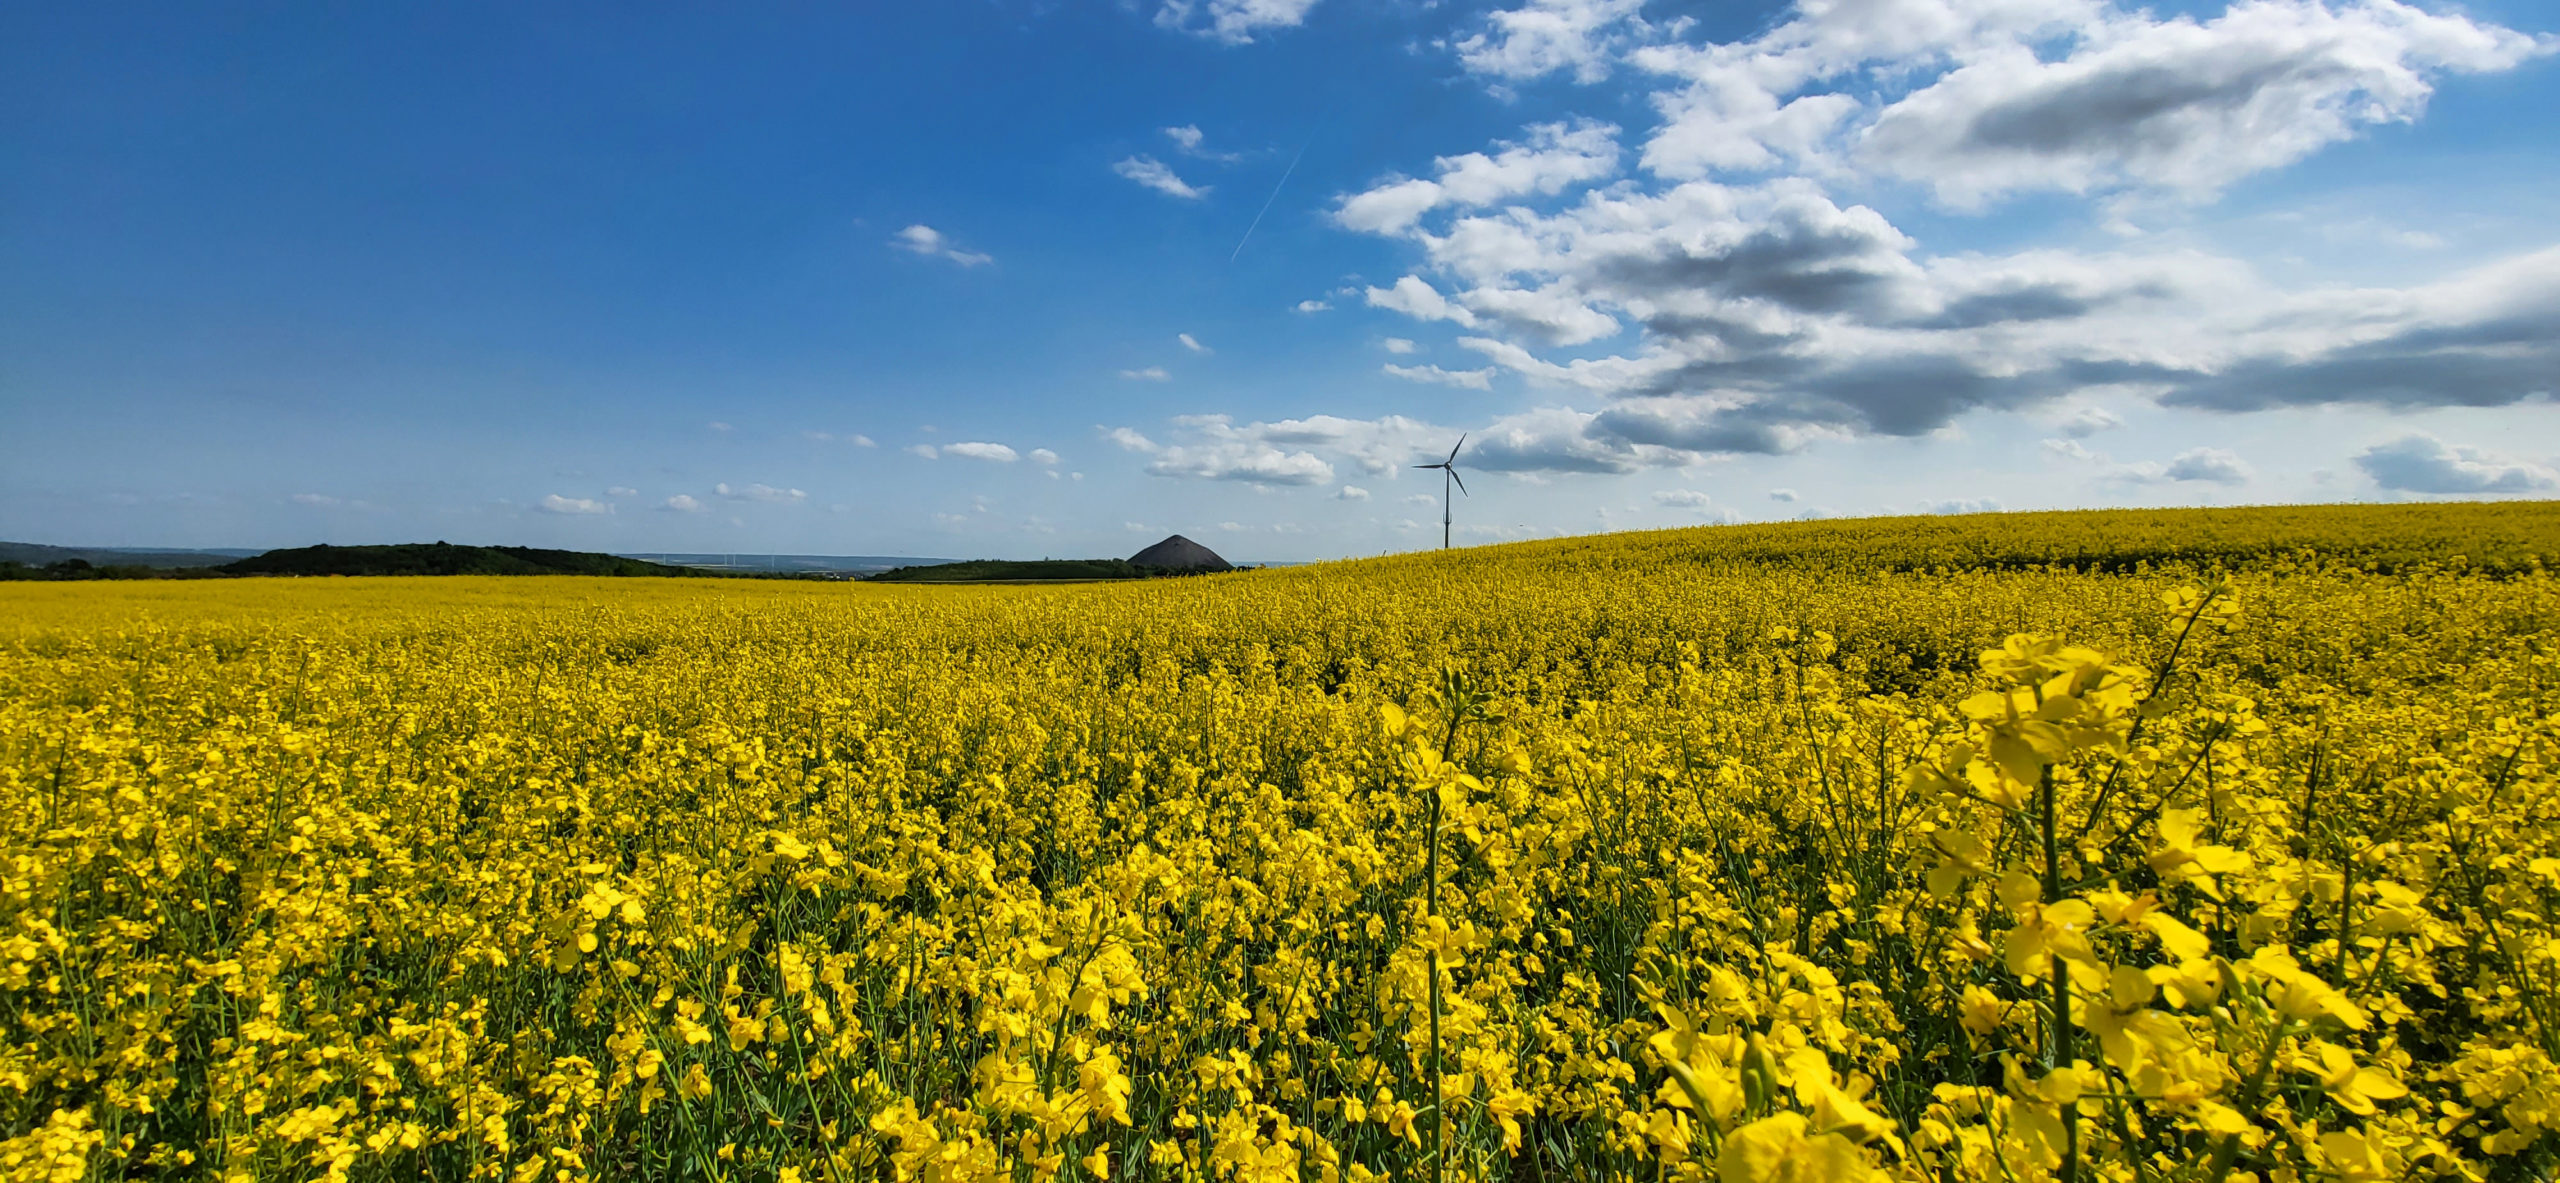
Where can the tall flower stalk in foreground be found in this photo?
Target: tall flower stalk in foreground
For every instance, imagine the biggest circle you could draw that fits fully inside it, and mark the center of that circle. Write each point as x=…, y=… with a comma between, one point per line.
x=1460, y=701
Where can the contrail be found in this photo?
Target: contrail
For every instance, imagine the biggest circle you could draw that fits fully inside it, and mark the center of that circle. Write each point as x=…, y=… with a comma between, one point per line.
x=1275, y=196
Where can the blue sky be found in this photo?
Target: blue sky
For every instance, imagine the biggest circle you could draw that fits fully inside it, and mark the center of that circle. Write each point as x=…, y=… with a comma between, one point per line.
x=975, y=278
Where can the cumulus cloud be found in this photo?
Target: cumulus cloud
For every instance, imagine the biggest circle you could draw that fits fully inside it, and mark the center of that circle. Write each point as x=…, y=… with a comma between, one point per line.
x=1043, y=456
x=1551, y=158
x=2216, y=465
x=2083, y=422
x=1313, y=306
x=1232, y=22
x=922, y=451
x=1772, y=315
x=1397, y=345
x=2421, y=463
x=1954, y=505
x=1351, y=493
x=977, y=450
x=2176, y=104
x=1149, y=374
x=1419, y=300
x=1216, y=449
x=573, y=506
x=760, y=492
x=925, y=240
x=1471, y=379
x=1189, y=140
x=1547, y=36
x=622, y=491
x=683, y=503
x=1156, y=175
x=1681, y=498
x=1191, y=343
x=1782, y=495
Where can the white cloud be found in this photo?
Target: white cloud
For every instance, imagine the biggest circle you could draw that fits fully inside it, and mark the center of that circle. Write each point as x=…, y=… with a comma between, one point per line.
x=1555, y=156
x=1681, y=498
x=621, y=491
x=2071, y=450
x=925, y=240
x=760, y=492
x=315, y=500
x=1772, y=316
x=1546, y=36
x=862, y=441
x=1954, y=505
x=1471, y=379
x=1419, y=300
x=1252, y=463
x=1043, y=456
x=1397, y=345
x=573, y=506
x=718, y=426
x=1233, y=22
x=1351, y=493
x=683, y=503
x=1189, y=140
x=1156, y=175
x=974, y=450
x=2216, y=465
x=923, y=451
x=1214, y=448
x=2421, y=463
x=1191, y=343
x=1421, y=499
x=1313, y=306
x=1149, y=374
x=2083, y=422
x=2176, y=104
x=1782, y=495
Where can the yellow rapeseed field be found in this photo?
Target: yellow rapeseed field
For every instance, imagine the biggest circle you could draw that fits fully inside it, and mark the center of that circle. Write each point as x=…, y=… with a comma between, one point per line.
x=2129, y=846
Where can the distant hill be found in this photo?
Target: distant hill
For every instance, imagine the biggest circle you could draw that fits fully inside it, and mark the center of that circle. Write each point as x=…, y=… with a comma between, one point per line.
x=442, y=558
x=1177, y=553
x=34, y=554
x=1001, y=570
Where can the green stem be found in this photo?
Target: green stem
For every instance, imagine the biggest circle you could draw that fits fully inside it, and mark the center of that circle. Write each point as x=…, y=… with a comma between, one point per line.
x=1431, y=911
x=2060, y=1051
x=2229, y=1152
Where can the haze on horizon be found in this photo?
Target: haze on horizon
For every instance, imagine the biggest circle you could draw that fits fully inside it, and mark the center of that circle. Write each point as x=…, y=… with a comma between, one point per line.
x=1024, y=279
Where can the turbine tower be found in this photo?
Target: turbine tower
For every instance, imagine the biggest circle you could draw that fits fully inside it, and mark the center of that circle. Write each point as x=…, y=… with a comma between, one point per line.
x=1448, y=474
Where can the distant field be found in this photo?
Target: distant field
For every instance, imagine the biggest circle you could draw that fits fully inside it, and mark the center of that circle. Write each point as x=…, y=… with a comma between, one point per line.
x=2132, y=845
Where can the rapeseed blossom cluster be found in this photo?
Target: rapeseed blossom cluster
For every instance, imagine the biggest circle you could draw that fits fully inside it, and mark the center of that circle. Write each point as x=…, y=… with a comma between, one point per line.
x=1623, y=858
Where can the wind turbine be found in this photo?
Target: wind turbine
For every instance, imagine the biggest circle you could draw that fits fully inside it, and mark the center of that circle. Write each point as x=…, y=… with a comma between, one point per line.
x=1448, y=473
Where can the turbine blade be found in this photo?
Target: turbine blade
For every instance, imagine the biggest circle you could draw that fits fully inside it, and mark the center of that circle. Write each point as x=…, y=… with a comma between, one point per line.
x=1462, y=484
x=1453, y=451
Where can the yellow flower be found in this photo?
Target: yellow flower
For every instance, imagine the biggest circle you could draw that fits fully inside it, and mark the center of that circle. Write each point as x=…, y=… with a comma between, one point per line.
x=1776, y=1149
x=2353, y=1087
